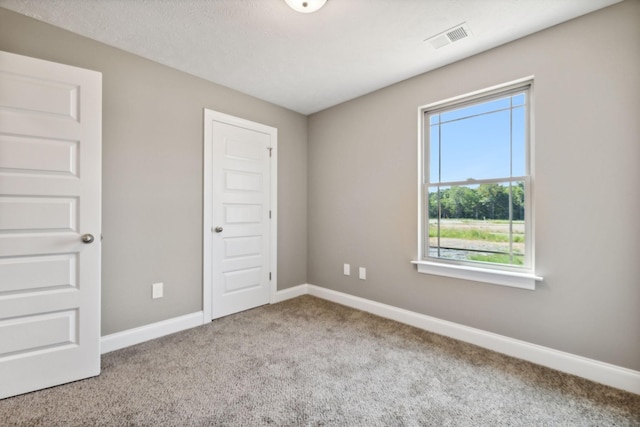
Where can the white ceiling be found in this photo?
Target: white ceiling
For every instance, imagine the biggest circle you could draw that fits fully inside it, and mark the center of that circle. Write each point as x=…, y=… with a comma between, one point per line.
x=304, y=62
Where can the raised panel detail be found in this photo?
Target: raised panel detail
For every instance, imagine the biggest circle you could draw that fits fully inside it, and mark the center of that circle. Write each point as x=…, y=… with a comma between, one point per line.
x=239, y=263
x=243, y=149
x=242, y=214
x=23, y=154
x=24, y=274
x=33, y=95
x=242, y=246
x=38, y=213
x=31, y=333
x=239, y=280
x=243, y=181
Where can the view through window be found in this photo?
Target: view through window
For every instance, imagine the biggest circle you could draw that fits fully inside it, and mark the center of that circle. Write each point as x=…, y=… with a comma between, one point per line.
x=477, y=181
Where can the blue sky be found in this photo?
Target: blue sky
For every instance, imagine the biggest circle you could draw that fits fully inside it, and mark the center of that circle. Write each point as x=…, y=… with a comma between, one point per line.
x=475, y=141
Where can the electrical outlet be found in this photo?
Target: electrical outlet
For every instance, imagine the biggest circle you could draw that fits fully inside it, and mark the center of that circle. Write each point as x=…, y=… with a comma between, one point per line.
x=157, y=290
x=363, y=273
x=347, y=269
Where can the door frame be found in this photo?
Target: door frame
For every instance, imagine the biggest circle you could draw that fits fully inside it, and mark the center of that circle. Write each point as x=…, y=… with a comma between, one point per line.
x=207, y=217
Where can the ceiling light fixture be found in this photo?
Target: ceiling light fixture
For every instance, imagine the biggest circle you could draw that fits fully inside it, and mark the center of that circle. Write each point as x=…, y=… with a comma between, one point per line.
x=305, y=6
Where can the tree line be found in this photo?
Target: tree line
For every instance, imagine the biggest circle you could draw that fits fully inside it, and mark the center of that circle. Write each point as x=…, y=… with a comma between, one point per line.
x=486, y=201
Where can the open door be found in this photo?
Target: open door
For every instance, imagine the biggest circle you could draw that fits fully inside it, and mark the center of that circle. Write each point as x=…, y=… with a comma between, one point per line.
x=50, y=193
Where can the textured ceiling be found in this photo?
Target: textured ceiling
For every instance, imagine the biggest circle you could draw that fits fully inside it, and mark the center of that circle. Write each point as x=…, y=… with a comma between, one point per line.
x=304, y=62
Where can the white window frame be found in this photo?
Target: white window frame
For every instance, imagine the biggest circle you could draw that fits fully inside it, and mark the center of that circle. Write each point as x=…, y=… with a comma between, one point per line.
x=520, y=277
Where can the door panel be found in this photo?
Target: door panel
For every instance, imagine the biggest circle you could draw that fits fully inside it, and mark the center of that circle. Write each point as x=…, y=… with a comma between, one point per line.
x=30, y=333
x=33, y=155
x=242, y=247
x=38, y=213
x=38, y=273
x=39, y=94
x=240, y=209
x=50, y=145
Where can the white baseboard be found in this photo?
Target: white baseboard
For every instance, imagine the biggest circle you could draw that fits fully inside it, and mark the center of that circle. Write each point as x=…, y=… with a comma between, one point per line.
x=144, y=333
x=604, y=373
x=289, y=293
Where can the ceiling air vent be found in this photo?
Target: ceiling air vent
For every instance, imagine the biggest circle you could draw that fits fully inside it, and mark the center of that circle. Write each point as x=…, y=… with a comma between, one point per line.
x=452, y=35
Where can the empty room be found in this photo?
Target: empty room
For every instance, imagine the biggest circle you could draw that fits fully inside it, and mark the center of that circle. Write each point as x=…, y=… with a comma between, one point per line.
x=321, y=212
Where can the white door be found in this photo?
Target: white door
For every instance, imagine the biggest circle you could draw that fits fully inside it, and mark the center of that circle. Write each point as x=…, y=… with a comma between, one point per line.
x=50, y=159
x=239, y=215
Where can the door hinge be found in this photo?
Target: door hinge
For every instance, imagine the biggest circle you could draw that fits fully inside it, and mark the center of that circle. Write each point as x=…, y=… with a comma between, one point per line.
x=270, y=149
x=269, y=214
x=269, y=275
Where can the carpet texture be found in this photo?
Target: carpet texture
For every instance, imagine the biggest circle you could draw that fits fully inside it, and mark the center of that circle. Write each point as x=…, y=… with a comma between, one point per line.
x=309, y=362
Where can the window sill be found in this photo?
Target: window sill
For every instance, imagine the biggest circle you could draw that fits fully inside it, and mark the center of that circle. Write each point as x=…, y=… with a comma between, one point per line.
x=496, y=277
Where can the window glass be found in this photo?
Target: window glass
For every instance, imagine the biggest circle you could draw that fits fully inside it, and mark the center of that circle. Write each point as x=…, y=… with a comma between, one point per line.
x=476, y=147
x=475, y=109
x=477, y=186
x=519, y=135
x=478, y=223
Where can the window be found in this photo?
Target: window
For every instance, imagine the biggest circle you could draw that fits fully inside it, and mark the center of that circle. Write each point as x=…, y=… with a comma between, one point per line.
x=476, y=187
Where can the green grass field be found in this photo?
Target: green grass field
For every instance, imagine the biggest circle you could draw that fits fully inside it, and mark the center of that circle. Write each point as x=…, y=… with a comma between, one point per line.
x=474, y=234
x=469, y=238
x=498, y=259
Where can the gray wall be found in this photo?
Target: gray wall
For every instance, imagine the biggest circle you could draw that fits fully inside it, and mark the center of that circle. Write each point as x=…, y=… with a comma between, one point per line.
x=363, y=191
x=153, y=169
x=362, y=185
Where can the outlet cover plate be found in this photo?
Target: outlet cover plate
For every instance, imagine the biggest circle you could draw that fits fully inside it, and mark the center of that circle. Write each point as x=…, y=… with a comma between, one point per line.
x=157, y=290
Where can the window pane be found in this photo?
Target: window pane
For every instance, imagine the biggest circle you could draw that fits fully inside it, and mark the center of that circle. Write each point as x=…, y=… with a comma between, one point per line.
x=519, y=141
x=517, y=200
x=481, y=223
x=476, y=148
x=476, y=109
x=434, y=154
x=519, y=99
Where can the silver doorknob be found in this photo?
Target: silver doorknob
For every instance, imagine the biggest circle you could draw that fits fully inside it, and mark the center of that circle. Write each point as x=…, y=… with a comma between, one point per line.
x=218, y=229
x=87, y=238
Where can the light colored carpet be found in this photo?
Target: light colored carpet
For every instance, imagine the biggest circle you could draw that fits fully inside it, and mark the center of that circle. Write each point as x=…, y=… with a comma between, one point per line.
x=309, y=362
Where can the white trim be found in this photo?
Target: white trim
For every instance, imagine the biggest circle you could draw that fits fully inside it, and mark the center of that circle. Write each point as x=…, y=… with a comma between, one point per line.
x=605, y=373
x=207, y=224
x=273, y=178
x=207, y=252
x=493, y=276
x=152, y=331
x=492, y=90
x=290, y=293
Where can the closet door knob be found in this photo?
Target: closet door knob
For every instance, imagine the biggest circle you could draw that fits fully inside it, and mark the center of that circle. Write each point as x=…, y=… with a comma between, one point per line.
x=87, y=238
